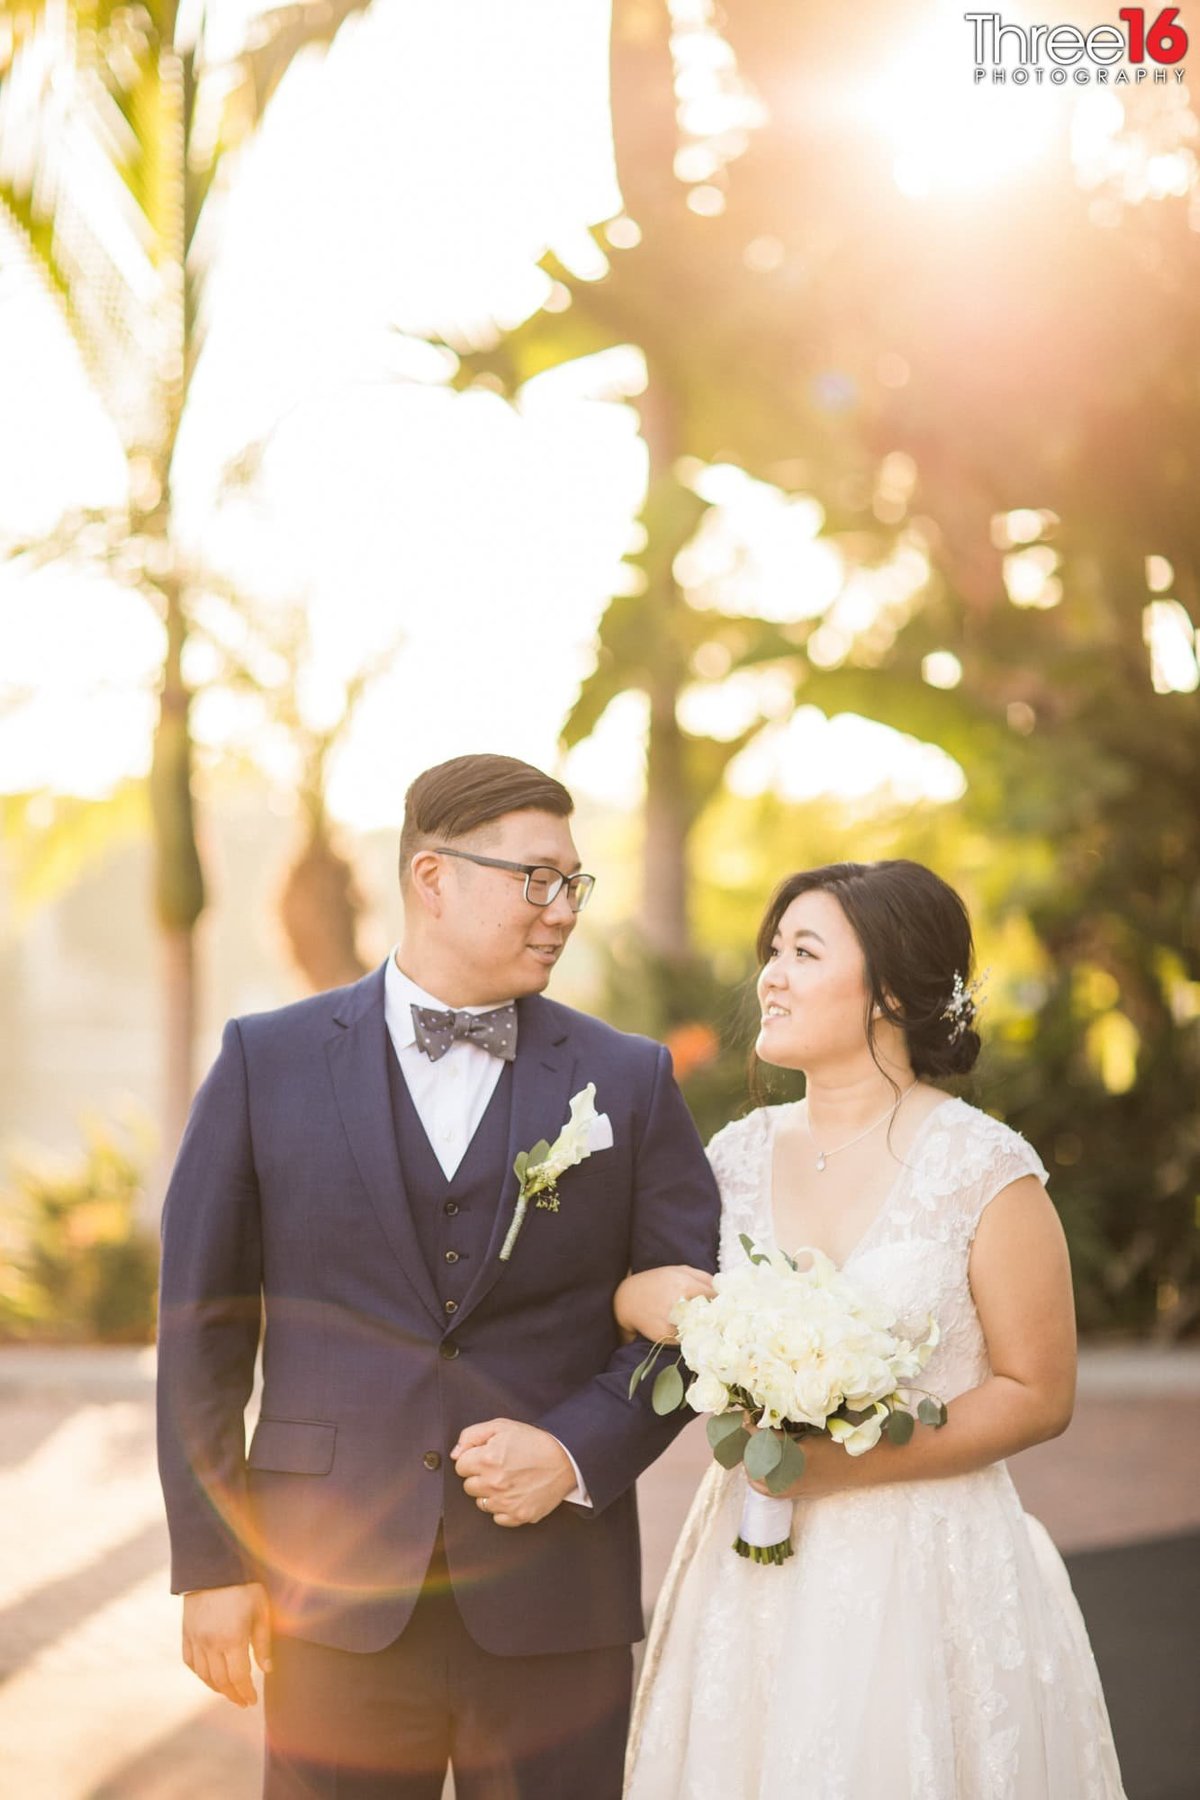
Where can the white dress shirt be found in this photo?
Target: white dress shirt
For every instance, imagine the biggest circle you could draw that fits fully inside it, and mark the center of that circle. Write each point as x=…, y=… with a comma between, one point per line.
x=450, y=1095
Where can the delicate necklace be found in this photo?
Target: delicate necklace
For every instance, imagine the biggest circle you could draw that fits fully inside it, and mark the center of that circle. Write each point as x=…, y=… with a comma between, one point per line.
x=824, y=1155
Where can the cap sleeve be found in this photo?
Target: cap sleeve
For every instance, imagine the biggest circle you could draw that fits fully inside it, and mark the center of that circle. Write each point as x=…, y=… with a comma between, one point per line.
x=1003, y=1156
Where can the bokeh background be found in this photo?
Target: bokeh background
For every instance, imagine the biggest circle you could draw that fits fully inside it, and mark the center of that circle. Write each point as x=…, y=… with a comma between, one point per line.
x=786, y=439
x=741, y=412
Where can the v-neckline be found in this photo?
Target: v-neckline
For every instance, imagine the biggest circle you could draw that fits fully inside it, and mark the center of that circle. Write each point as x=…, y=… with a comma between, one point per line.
x=771, y=1113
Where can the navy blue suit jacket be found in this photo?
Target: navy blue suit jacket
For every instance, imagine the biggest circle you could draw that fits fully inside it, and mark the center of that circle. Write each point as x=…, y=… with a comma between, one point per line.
x=287, y=1201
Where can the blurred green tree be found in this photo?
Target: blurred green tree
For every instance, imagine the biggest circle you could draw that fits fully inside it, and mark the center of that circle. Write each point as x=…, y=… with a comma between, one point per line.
x=1021, y=372
x=992, y=396
x=79, y=1263
x=108, y=211
x=672, y=279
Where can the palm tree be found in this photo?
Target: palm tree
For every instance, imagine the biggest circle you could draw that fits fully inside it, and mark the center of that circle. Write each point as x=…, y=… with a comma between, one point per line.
x=728, y=354
x=118, y=123
x=266, y=652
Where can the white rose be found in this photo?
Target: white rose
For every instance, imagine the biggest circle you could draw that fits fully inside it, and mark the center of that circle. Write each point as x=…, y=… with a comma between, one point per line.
x=708, y=1395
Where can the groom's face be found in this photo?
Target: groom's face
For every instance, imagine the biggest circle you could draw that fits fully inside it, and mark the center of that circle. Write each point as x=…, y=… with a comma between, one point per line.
x=503, y=945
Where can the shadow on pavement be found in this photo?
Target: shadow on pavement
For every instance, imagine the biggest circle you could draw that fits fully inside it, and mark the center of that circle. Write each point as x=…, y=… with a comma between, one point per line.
x=1141, y=1603
x=215, y=1756
x=1142, y=1606
x=42, y=1617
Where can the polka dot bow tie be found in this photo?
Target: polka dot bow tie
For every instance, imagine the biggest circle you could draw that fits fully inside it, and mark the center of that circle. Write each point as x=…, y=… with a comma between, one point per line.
x=495, y=1031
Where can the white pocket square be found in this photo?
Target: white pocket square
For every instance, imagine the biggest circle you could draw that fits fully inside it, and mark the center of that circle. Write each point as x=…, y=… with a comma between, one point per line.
x=600, y=1136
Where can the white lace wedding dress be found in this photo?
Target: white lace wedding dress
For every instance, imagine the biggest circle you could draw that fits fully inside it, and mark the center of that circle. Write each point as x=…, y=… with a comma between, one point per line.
x=923, y=1643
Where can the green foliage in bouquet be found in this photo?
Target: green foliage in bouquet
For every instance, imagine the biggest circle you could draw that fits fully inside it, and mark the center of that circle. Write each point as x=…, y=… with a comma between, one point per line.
x=772, y=1453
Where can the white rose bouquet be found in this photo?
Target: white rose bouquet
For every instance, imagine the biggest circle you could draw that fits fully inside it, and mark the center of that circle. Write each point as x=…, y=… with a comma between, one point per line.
x=792, y=1351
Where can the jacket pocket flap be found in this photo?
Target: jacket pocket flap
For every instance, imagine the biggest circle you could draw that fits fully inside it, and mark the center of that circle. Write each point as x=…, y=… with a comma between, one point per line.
x=293, y=1446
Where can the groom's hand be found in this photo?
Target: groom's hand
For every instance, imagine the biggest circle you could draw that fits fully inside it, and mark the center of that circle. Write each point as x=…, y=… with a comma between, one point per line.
x=219, y=1626
x=513, y=1472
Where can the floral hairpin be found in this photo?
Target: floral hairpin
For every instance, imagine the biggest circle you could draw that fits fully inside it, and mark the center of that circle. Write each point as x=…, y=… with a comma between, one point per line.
x=964, y=1003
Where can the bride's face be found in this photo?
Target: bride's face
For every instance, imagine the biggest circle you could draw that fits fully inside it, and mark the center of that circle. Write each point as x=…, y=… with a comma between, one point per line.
x=812, y=989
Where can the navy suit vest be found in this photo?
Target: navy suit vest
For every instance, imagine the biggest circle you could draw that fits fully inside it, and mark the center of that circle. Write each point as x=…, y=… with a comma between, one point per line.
x=453, y=1217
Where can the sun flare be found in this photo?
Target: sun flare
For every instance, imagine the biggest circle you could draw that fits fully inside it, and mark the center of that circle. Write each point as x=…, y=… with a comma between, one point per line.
x=947, y=134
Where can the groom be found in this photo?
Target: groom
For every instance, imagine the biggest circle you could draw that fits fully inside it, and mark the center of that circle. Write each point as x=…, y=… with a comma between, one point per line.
x=432, y=1542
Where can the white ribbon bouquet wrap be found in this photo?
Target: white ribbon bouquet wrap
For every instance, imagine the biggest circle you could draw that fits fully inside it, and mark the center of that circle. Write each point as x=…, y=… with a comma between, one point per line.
x=791, y=1350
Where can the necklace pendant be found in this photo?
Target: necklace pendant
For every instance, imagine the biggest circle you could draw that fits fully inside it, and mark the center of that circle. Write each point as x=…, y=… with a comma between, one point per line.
x=821, y=1162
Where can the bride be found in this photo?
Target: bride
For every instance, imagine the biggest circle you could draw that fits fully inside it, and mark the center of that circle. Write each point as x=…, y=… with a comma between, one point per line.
x=923, y=1643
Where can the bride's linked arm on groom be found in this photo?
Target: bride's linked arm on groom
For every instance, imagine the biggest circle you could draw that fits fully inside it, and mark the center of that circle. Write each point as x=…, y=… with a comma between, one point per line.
x=643, y=1302
x=1020, y=1279
x=521, y=1470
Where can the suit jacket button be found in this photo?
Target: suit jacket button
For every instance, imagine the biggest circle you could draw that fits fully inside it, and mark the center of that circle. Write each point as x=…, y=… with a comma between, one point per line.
x=452, y=1256
x=432, y=1460
x=449, y=1351
x=451, y=1207
x=450, y=1306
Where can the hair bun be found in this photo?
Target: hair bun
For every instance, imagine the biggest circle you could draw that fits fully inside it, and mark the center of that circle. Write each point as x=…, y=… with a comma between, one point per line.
x=946, y=1054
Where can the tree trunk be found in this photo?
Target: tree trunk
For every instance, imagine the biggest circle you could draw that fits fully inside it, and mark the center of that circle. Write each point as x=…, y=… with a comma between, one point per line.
x=665, y=872
x=178, y=878
x=320, y=907
x=179, y=996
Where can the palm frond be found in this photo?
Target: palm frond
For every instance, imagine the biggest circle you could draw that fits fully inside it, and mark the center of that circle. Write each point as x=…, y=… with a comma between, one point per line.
x=67, y=150
x=111, y=143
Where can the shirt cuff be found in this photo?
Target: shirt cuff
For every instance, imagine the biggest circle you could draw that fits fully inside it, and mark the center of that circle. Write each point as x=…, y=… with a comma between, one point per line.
x=579, y=1495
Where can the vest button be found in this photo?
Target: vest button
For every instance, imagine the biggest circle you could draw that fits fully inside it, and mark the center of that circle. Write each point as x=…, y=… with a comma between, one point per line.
x=452, y=1256
x=452, y=1207
x=450, y=1306
x=432, y=1460
x=448, y=1352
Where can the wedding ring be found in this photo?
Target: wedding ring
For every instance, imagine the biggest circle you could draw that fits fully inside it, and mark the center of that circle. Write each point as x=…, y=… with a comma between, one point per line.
x=484, y=1502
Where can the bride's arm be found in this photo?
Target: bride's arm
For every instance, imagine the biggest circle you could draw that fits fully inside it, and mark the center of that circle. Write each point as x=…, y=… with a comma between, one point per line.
x=643, y=1302
x=1021, y=1283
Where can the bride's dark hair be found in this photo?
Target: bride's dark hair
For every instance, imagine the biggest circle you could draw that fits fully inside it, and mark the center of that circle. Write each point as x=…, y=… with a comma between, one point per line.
x=915, y=934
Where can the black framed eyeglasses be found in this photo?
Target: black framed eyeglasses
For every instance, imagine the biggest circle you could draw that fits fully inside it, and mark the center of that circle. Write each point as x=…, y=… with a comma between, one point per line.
x=543, y=884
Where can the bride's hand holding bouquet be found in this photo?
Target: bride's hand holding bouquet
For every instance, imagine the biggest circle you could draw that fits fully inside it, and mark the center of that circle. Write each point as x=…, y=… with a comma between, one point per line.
x=779, y=1354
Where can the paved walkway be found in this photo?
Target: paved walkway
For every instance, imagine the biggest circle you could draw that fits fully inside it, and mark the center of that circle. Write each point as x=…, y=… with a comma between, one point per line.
x=94, y=1701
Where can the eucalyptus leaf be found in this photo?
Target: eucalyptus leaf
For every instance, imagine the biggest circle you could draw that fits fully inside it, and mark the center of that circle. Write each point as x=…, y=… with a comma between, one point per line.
x=899, y=1427
x=539, y=1153
x=756, y=1256
x=788, y=1469
x=722, y=1425
x=643, y=1368
x=668, y=1390
x=730, y=1450
x=764, y=1452
x=931, y=1412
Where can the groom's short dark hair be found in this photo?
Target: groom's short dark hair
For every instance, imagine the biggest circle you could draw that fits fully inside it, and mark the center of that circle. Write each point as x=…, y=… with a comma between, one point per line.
x=457, y=797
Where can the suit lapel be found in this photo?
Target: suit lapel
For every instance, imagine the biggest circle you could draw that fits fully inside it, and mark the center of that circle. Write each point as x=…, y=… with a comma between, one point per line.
x=541, y=1096
x=358, y=1056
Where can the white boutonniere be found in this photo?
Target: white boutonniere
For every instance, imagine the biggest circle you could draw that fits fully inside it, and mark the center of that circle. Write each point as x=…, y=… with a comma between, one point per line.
x=538, y=1170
